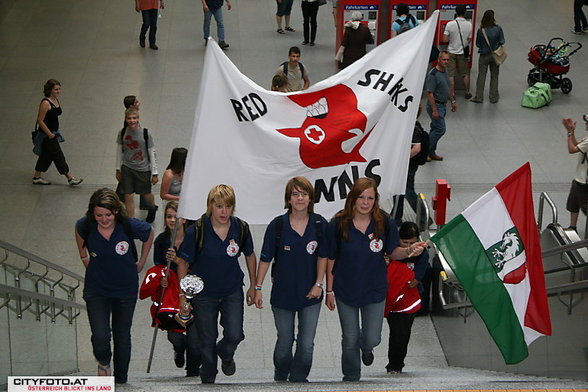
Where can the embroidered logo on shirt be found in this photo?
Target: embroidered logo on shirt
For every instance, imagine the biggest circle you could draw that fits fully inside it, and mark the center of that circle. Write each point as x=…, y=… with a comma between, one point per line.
x=287, y=248
x=122, y=248
x=410, y=265
x=233, y=248
x=376, y=245
x=311, y=247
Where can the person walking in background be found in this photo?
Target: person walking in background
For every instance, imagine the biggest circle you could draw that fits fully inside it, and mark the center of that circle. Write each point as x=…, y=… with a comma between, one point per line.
x=136, y=163
x=150, y=12
x=297, y=242
x=309, y=13
x=439, y=91
x=171, y=182
x=47, y=136
x=359, y=237
x=458, y=35
x=357, y=35
x=294, y=71
x=488, y=38
x=105, y=240
x=215, y=8
x=284, y=9
x=580, y=22
x=578, y=196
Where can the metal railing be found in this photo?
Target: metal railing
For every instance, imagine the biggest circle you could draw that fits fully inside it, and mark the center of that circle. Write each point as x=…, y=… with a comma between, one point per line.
x=37, y=285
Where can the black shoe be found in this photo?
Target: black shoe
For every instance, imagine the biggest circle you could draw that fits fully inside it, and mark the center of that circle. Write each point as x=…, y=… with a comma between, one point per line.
x=207, y=380
x=228, y=367
x=304, y=42
x=153, y=46
x=179, y=359
x=151, y=214
x=223, y=45
x=367, y=358
x=142, y=43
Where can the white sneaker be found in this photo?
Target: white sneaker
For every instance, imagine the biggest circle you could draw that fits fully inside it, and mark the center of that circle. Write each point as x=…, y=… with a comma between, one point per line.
x=75, y=181
x=41, y=181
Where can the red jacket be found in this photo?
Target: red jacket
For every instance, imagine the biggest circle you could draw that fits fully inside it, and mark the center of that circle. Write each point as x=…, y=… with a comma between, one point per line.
x=401, y=298
x=170, y=304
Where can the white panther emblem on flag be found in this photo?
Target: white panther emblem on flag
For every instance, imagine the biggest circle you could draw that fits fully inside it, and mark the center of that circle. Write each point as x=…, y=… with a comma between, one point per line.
x=507, y=250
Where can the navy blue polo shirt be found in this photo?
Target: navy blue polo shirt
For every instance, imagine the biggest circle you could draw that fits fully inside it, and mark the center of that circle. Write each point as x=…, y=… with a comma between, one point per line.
x=218, y=262
x=160, y=246
x=112, y=270
x=360, y=268
x=296, y=260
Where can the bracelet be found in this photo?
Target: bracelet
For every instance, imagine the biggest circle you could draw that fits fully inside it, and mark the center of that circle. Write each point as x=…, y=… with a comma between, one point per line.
x=257, y=288
x=319, y=285
x=329, y=292
x=570, y=134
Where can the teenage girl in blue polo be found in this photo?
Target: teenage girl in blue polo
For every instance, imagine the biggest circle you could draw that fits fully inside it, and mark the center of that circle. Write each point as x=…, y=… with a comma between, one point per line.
x=359, y=236
x=105, y=239
x=297, y=243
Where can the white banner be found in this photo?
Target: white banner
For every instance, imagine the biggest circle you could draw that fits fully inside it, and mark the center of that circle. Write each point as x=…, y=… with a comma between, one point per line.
x=357, y=123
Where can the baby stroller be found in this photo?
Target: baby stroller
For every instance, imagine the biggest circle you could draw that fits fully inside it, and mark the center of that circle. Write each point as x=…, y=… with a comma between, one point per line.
x=551, y=62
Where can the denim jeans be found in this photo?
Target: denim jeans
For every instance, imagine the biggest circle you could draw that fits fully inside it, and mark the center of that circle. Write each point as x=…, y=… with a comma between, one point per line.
x=180, y=343
x=437, y=127
x=149, y=23
x=296, y=367
x=220, y=27
x=358, y=337
x=99, y=311
x=206, y=311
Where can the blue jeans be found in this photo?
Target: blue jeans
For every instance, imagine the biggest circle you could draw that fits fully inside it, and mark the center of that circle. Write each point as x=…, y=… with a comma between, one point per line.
x=99, y=311
x=437, y=127
x=358, y=337
x=220, y=27
x=149, y=23
x=298, y=366
x=206, y=311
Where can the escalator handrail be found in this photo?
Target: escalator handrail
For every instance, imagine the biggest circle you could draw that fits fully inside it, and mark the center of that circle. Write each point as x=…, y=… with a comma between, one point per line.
x=542, y=198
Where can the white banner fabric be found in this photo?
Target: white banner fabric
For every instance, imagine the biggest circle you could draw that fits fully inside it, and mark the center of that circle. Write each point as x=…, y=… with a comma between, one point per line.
x=357, y=123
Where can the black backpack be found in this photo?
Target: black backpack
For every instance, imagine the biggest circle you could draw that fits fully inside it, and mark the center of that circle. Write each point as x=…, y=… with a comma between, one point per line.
x=405, y=24
x=285, y=68
x=421, y=158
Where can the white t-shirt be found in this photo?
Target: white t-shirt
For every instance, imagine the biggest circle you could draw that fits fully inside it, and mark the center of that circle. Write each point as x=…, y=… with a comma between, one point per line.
x=455, y=46
x=582, y=168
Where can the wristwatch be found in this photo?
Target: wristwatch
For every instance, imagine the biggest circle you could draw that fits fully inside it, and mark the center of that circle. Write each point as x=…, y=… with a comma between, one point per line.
x=570, y=134
x=322, y=286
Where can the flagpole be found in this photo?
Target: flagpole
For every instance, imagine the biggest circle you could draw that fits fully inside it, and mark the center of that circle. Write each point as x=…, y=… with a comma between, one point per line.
x=174, y=234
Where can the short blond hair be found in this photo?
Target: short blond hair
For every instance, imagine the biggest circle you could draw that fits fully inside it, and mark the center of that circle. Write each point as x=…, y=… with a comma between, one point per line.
x=221, y=194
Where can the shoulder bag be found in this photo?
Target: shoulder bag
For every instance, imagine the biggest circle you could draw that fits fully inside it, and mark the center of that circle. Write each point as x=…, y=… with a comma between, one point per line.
x=499, y=54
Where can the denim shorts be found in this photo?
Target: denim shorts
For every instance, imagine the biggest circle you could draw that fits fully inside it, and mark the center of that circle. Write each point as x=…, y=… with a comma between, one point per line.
x=284, y=7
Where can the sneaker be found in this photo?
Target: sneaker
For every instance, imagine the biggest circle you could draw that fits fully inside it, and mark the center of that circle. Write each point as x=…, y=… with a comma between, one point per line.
x=223, y=45
x=153, y=46
x=290, y=29
x=436, y=157
x=228, y=366
x=74, y=181
x=584, y=29
x=577, y=32
x=40, y=181
x=151, y=214
x=367, y=358
x=179, y=359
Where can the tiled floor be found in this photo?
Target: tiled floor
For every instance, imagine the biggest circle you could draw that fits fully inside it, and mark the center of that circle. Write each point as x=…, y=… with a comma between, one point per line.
x=91, y=47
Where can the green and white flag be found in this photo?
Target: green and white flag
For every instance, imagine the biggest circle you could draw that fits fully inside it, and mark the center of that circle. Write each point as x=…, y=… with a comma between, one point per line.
x=494, y=250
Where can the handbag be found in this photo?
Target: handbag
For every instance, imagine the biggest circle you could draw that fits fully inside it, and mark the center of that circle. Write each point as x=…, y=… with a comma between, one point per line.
x=536, y=96
x=499, y=54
